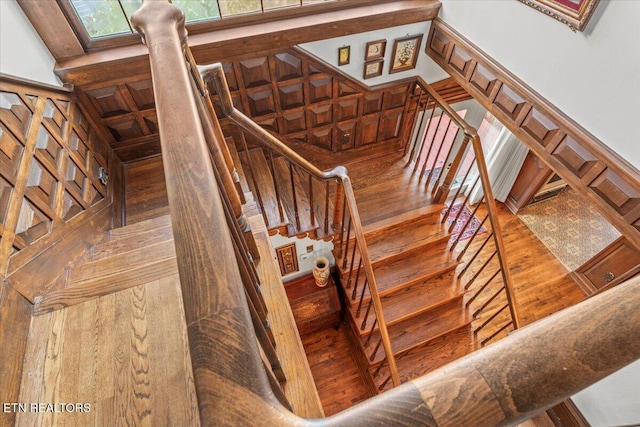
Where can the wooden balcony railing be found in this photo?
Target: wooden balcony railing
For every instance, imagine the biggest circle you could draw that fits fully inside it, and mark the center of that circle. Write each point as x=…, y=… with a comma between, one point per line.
x=447, y=153
x=503, y=384
x=342, y=213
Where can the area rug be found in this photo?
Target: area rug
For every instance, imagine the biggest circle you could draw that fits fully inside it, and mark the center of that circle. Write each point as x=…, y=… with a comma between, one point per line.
x=452, y=212
x=569, y=227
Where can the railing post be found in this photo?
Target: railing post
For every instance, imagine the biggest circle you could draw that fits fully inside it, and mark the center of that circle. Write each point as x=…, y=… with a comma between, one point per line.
x=216, y=311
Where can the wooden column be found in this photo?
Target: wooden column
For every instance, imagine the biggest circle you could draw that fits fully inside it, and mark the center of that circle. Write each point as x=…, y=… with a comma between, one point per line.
x=223, y=348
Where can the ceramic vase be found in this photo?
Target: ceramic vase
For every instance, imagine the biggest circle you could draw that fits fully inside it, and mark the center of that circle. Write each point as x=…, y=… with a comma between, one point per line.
x=321, y=271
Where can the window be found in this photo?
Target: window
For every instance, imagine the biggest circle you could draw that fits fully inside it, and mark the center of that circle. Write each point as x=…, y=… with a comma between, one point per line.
x=96, y=20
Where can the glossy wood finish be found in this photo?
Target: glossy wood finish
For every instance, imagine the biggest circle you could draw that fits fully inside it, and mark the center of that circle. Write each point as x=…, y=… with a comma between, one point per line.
x=585, y=163
x=201, y=233
x=338, y=174
x=125, y=354
x=145, y=190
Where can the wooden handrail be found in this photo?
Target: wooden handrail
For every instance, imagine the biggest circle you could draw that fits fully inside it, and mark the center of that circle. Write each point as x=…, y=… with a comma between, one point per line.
x=215, y=74
x=503, y=384
x=490, y=202
x=216, y=311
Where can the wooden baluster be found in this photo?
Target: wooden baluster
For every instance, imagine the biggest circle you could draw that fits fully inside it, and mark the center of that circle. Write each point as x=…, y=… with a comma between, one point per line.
x=460, y=187
x=424, y=139
x=326, y=209
x=201, y=234
x=464, y=203
x=295, y=200
x=277, y=389
x=466, y=224
x=213, y=136
x=355, y=286
x=487, y=302
x=443, y=190
x=375, y=350
x=338, y=215
x=384, y=383
x=276, y=185
x=379, y=368
x=212, y=113
x=475, y=276
x=493, y=335
x=265, y=343
x=363, y=326
x=450, y=169
x=364, y=288
x=482, y=288
x=312, y=210
x=346, y=247
x=373, y=327
x=435, y=159
x=471, y=239
x=470, y=262
x=493, y=316
x=351, y=265
x=252, y=172
x=413, y=124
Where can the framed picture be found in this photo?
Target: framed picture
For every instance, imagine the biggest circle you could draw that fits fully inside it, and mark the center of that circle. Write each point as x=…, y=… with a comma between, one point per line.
x=573, y=13
x=344, y=54
x=287, y=259
x=405, y=53
x=375, y=50
x=373, y=68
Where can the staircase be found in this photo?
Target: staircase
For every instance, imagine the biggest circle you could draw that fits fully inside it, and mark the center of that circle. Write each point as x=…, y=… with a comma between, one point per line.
x=422, y=298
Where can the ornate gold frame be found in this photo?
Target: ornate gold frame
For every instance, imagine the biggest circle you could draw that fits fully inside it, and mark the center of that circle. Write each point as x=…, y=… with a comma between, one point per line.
x=576, y=19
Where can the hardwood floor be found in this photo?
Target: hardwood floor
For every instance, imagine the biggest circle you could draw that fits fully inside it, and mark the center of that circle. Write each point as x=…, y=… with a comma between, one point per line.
x=335, y=371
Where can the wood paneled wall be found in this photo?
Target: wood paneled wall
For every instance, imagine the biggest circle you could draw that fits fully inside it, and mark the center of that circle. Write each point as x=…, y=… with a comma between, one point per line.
x=590, y=167
x=53, y=205
x=291, y=95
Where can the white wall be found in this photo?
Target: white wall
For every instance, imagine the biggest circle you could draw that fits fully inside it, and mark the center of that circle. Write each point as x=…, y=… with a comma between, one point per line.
x=305, y=259
x=613, y=401
x=425, y=67
x=22, y=52
x=592, y=76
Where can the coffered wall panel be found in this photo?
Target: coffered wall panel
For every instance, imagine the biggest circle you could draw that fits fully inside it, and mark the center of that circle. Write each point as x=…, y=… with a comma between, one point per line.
x=580, y=159
x=293, y=95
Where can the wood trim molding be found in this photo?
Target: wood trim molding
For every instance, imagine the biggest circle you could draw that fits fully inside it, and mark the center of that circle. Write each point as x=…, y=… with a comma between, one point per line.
x=220, y=46
x=567, y=414
x=584, y=162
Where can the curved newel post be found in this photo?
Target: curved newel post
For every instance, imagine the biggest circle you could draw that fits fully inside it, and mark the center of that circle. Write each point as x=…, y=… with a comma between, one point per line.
x=224, y=352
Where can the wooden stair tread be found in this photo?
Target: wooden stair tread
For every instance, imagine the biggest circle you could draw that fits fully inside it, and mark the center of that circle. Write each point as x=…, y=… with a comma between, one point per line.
x=400, y=219
x=128, y=265
x=131, y=242
x=138, y=227
x=400, y=240
x=398, y=273
x=435, y=354
x=421, y=329
x=411, y=301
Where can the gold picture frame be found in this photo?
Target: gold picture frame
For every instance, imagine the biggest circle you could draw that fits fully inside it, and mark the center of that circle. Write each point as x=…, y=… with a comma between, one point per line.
x=287, y=259
x=373, y=68
x=405, y=53
x=344, y=55
x=573, y=13
x=375, y=49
